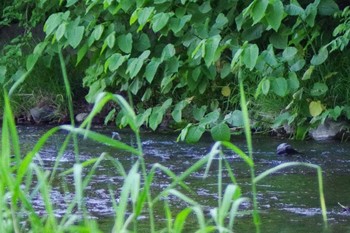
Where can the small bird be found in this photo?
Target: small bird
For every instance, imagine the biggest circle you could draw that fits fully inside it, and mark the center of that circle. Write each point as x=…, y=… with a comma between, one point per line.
x=286, y=149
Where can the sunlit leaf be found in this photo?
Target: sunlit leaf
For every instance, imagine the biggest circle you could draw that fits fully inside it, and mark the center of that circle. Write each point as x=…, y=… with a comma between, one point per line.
x=315, y=108
x=226, y=91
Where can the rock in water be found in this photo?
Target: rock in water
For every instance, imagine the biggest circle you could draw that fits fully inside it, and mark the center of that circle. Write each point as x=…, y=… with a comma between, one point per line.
x=42, y=114
x=286, y=149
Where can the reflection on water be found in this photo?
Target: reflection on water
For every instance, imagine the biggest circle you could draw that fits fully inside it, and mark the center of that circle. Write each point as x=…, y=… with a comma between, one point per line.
x=288, y=200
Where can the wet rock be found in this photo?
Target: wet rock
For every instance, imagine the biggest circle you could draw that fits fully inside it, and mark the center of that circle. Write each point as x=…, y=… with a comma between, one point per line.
x=328, y=130
x=81, y=117
x=42, y=114
x=286, y=149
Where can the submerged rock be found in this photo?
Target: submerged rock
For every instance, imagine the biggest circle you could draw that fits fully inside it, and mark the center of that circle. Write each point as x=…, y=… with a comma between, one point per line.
x=286, y=149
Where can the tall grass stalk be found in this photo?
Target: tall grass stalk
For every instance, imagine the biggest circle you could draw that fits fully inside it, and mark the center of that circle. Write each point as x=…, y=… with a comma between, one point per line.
x=248, y=135
x=69, y=101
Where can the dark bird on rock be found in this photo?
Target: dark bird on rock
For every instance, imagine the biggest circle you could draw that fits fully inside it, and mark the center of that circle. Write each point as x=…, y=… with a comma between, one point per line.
x=286, y=149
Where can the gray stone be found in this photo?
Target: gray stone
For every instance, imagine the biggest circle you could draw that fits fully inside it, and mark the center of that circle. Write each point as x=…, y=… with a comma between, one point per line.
x=328, y=130
x=81, y=117
x=42, y=114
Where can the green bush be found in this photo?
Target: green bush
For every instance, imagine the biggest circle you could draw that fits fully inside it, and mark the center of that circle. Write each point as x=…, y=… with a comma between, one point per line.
x=180, y=59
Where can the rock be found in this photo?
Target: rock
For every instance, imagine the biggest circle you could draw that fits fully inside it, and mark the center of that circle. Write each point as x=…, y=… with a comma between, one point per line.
x=328, y=130
x=42, y=114
x=81, y=117
x=286, y=149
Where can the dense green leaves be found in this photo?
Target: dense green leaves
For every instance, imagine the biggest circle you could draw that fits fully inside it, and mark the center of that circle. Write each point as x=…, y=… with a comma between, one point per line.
x=193, y=52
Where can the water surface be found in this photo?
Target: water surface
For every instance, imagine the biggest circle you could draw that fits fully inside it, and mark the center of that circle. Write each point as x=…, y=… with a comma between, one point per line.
x=288, y=200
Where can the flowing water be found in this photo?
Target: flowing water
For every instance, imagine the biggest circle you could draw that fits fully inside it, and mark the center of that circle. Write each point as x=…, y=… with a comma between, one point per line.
x=288, y=200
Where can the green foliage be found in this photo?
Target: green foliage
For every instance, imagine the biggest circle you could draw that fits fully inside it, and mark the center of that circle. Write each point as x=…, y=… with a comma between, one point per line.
x=157, y=51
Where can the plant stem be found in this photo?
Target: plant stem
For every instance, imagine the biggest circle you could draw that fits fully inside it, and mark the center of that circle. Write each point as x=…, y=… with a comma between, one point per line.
x=70, y=102
x=256, y=217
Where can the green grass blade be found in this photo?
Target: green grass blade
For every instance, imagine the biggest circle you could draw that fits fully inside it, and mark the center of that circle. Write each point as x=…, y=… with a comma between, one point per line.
x=181, y=219
x=123, y=199
x=280, y=167
x=248, y=160
x=78, y=169
x=10, y=121
x=293, y=164
x=101, y=139
x=247, y=131
x=45, y=194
